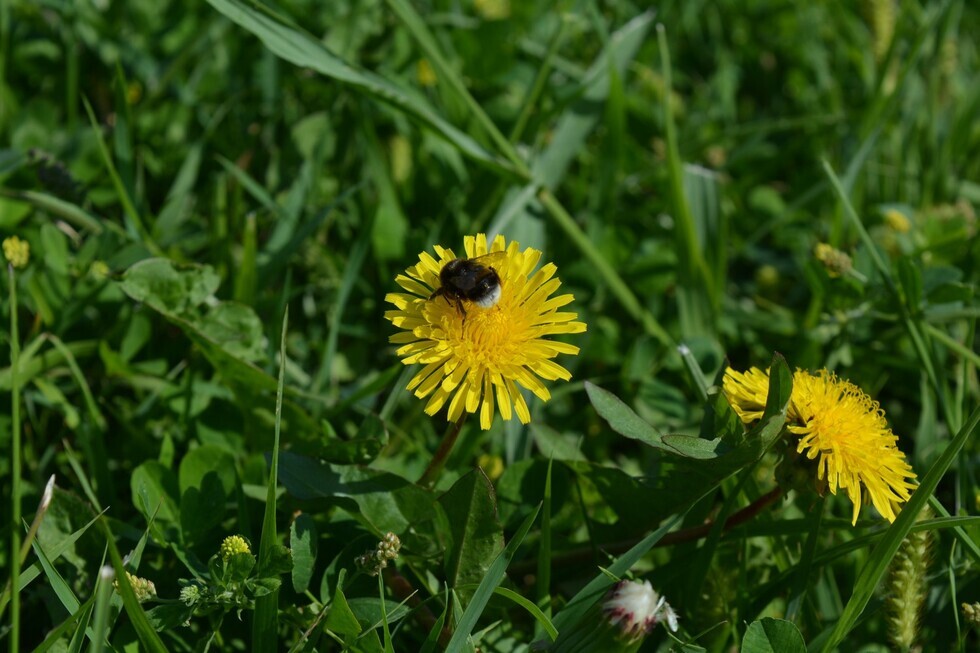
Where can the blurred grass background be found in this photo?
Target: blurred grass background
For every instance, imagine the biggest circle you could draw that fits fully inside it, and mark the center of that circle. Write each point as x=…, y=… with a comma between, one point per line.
x=681, y=199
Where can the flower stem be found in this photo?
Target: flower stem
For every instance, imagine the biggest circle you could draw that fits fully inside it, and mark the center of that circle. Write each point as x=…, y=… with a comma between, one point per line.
x=586, y=554
x=15, y=463
x=428, y=478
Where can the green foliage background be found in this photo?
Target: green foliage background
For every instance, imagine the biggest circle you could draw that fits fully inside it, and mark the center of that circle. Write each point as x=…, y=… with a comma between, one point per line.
x=183, y=172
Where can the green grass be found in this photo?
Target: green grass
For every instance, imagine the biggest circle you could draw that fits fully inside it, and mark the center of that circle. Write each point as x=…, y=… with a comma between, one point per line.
x=188, y=174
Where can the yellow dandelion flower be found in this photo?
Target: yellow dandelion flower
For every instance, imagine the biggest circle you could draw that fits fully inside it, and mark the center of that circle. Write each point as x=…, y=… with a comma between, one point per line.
x=476, y=357
x=746, y=392
x=840, y=427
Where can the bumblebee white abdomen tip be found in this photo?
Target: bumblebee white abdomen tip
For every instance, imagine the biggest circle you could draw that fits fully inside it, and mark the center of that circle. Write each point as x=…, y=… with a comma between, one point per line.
x=489, y=300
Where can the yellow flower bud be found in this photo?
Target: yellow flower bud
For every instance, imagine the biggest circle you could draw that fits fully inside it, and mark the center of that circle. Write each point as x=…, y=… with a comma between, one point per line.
x=233, y=545
x=426, y=75
x=16, y=251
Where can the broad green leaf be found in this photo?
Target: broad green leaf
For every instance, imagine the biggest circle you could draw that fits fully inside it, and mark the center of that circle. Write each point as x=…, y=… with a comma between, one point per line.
x=476, y=535
x=303, y=544
x=207, y=459
x=202, y=508
x=770, y=635
x=237, y=328
x=387, y=501
x=154, y=490
x=494, y=576
x=367, y=609
x=621, y=417
x=169, y=616
x=555, y=445
x=224, y=340
x=264, y=586
x=340, y=619
x=168, y=287
x=691, y=446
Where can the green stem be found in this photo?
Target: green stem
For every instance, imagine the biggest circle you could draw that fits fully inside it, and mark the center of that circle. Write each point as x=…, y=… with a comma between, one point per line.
x=14, y=465
x=428, y=478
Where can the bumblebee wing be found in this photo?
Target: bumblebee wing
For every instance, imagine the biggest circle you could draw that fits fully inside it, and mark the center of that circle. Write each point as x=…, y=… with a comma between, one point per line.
x=492, y=260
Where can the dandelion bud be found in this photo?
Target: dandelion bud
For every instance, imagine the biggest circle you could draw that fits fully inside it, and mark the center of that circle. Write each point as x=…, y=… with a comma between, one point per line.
x=620, y=622
x=233, y=545
x=836, y=262
x=17, y=252
x=143, y=588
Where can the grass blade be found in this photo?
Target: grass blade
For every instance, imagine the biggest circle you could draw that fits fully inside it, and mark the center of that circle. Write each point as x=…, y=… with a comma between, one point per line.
x=606, y=271
x=134, y=223
x=301, y=49
x=70, y=213
x=543, y=580
x=265, y=625
x=103, y=595
x=694, y=283
x=141, y=624
x=53, y=637
x=446, y=74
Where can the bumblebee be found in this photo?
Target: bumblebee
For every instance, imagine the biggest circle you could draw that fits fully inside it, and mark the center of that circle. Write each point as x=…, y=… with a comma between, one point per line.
x=470, y=280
